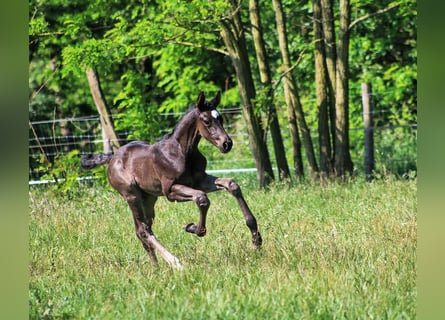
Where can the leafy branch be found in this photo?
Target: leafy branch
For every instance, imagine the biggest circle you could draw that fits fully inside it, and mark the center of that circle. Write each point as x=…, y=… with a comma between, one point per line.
x=367, y=16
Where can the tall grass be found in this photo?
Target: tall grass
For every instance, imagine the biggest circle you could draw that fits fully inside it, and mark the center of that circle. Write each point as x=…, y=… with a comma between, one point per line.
x=332, y=252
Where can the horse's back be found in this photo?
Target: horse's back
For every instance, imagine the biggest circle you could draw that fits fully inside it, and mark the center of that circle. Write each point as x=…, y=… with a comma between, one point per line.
x=125, y=155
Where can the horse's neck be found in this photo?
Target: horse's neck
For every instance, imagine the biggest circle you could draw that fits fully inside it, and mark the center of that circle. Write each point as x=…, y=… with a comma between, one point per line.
x=186, y=132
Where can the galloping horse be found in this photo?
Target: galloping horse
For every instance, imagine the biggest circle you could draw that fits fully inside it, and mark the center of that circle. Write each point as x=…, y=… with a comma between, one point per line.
x=173, y=167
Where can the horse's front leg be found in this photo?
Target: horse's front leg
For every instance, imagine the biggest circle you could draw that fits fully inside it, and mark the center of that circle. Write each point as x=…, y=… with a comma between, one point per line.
x=180, y=192
x=214, y=183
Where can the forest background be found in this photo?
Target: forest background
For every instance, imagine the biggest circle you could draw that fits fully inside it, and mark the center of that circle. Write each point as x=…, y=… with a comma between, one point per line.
x=294, y=68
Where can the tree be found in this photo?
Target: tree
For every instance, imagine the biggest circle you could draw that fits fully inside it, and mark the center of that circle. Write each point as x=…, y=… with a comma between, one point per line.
x=55, y=37
x=329, y=46
x=266, y=81
x=111, y=143
x=232, y=33
x=295, y=111
x=322, y=97
x=332, y=65
x=342, y=158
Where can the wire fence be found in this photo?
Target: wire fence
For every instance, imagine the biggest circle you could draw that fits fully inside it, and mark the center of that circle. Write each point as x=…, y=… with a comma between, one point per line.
x=395, y=146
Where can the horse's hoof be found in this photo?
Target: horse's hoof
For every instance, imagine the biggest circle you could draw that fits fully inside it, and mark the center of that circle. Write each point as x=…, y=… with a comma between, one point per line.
x=257, y=240
x=176, y=264
x=201, y=233
x=192, y=228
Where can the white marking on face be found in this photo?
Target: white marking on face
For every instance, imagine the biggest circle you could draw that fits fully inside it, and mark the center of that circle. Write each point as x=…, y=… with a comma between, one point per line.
x=215, y=114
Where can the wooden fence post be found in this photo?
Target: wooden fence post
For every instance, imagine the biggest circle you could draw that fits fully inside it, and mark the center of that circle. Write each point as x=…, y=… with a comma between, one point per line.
x=369, y=162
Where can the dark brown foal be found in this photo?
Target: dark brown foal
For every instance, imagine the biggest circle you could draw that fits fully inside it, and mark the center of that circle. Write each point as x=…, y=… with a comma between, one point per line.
x=173, y=167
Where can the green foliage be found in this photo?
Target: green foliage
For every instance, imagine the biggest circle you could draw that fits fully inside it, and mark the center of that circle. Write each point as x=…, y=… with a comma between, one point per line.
x=90, y=53
x=396, y=151
x=338, y=251
x=385, y=54
x=65, y=170
x=38, y=24
x=181, y=79
x=136, y=111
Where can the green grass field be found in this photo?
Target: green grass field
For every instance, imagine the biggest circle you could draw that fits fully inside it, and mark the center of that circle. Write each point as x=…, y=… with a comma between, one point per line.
x=333, y=252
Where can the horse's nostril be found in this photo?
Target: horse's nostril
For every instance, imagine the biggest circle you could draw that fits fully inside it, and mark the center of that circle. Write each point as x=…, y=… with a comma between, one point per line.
x=227, y=145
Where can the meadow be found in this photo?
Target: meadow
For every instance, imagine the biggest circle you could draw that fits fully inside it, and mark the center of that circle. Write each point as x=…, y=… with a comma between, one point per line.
x=339, y=251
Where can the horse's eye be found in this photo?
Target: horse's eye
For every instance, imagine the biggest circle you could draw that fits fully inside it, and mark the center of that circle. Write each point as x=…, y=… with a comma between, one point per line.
x=206, y=122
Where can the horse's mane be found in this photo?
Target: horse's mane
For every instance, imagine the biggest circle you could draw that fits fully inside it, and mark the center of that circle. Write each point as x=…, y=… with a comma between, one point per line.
x=206, y=105
x=190, y=110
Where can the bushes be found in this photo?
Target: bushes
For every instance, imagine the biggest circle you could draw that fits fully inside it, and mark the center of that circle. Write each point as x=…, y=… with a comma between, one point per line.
x=66, y=172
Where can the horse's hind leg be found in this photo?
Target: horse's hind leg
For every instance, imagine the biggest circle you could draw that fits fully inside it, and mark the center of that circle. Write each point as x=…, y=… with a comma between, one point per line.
x=149, y=216
x=143, y=216
x=149, y=203
x=142, y=207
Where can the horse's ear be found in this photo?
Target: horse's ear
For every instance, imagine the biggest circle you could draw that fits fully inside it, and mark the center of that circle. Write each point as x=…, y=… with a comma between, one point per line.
x=216, y=100
x=200, y=101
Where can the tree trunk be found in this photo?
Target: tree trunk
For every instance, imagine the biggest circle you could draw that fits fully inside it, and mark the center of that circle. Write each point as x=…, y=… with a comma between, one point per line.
x=291, y=91
x=265, y=76
x=369, y=162
x=111, y=143
x=343, y=162
x=233, y=36
x=297, y=156
x=322, y=95
x=331, y=58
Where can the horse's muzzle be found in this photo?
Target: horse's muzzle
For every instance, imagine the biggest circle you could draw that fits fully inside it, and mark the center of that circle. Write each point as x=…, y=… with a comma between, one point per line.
x=226, y=146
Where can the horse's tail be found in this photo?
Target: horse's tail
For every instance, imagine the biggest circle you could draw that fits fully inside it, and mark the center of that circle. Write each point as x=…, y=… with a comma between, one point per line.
x=93, y=160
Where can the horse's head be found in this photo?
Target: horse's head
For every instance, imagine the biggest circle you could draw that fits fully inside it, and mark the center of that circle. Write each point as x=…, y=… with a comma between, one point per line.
x=210, y=123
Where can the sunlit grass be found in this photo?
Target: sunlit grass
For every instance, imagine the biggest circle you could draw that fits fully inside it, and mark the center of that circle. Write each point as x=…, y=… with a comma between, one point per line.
x=338, y=251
